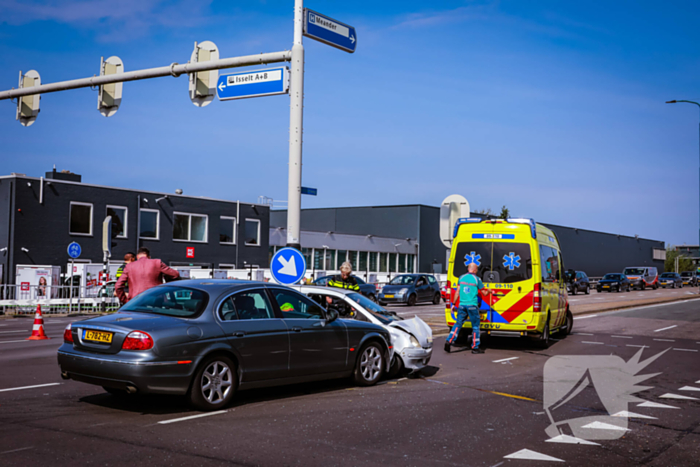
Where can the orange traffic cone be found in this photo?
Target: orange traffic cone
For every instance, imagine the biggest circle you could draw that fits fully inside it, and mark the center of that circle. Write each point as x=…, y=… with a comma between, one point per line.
x=38, y=329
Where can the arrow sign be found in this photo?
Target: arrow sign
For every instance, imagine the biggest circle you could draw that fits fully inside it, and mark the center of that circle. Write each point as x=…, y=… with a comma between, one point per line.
x=268, y=82
x=329, y=31
x=288, y=266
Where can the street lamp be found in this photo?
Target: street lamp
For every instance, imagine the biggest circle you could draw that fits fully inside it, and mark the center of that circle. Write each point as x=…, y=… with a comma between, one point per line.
x=698, y=104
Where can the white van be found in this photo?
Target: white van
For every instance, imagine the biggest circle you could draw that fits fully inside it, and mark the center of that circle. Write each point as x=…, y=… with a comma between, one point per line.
x=642, y=277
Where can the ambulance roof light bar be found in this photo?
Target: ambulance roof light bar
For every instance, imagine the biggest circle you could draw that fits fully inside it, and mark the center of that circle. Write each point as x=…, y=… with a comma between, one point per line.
x=524, y=220
x=465, y=220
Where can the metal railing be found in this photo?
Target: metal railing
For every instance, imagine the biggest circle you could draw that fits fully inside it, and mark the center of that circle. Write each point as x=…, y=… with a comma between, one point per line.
x=24, y=299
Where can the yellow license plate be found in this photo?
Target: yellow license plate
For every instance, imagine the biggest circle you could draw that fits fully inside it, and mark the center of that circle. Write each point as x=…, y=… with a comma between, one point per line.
x=98, y=336
x=388, y=296
x=606, y=286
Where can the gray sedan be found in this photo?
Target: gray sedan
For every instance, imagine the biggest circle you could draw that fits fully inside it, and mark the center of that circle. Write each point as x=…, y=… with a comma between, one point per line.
x=206, y=339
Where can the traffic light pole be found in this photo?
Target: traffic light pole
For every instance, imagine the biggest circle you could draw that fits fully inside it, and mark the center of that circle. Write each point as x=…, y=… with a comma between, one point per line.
x=296, y=129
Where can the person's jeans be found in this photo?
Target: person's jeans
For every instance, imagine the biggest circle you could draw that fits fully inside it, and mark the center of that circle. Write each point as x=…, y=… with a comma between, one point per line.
x=472, y=313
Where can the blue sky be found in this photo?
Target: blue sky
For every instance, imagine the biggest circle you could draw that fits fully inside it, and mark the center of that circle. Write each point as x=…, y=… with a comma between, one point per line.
x=553, y=108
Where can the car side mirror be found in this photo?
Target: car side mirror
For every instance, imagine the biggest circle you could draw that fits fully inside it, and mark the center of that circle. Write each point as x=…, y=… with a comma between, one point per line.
x=331, y=315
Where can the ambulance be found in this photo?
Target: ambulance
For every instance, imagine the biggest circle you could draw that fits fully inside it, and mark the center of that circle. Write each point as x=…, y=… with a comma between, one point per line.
x=520, y=262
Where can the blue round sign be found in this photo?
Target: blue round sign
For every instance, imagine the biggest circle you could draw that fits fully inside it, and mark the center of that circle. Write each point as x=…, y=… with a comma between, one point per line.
x=288, y=266
x=74, y=250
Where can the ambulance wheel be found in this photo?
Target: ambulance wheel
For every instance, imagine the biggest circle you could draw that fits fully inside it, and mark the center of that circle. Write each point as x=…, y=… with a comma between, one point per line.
x=411, y=300
x=568, y=325
x=543, y=341
x=436, y=299
x=573, y=290
x=397, y=368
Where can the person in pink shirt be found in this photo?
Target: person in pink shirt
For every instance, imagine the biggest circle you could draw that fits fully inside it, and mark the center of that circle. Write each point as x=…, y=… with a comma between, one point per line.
x=143, y=274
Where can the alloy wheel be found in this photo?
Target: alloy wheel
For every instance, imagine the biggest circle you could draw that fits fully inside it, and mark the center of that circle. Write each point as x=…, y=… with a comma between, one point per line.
x=371, y=363
x=217, y=382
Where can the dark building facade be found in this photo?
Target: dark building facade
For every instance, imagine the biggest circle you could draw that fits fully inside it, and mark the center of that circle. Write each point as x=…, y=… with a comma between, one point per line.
x=40, y=217
x=596, y=253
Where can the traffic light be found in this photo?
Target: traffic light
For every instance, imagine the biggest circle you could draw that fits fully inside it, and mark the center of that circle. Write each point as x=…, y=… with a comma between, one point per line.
x=203, y=84
x=28, y=106
x=110, y=95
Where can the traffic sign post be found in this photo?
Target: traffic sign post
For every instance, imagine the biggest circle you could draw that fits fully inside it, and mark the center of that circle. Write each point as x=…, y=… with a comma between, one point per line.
x=329, y=31
x=257, y=83
x=74, y=251
x=288, y=266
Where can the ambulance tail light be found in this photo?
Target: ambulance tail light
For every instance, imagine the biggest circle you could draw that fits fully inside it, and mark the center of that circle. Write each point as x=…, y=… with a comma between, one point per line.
x=537, y=299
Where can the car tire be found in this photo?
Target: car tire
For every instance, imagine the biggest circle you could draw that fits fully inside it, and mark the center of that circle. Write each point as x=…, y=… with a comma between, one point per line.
x=543, y=341
x=573, y=290
x=628, y=288
x=397, y=367
x=214, y=384
x=373, y=298
x=436, y=299
x=642, y=286
x=411, y=300
x=370, y=364
x=568, y=325
x=588, y=289
x=381, y=303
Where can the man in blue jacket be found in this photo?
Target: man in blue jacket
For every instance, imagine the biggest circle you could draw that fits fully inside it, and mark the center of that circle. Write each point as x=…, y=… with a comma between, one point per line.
x=469, y=288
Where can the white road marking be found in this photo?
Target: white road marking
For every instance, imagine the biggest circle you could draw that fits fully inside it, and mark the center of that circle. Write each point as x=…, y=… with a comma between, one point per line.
x=585, y=317
x=626, y=414
x=686, y=350
x=665, y=340
x=7, y=332
x=10, y=342
x=678, y=396
x=30, y=387
x=531, y=455
x=623, y=337
x=505, y=359
x=589, y=342
x=16, y=450
x=689, y=388
x=656, y=405
x=640, y=346
x=604, y=426
x=209, y=414
x=566, y=439
x=666, y=329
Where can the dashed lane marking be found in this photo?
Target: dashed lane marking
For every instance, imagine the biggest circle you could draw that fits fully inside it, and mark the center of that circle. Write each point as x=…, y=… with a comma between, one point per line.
x=689, y=388
x=686, y=350
x=30, y=387
x=16, y=450
x=191, y=417
x=566, y=439
x=639, y=346
x=665, y=340
x=8, y=332
x=10, y=342
x=589, y=342
x=667, y=328
x=604, y=426
x=585, y=317
x=626, y=414
x=531, y=455
x=623, y=337
x=656, y=405
x=503, y=360
x=678, y=396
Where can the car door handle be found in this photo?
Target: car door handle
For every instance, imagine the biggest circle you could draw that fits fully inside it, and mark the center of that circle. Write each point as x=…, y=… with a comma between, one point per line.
x=296, y=329
x=239, y=334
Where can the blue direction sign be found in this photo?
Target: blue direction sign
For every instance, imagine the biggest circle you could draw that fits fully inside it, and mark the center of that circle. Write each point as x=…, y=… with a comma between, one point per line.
x=74, y=250
x=305, y=190
x=267, y=82
x=288, y=266
x=329, y=31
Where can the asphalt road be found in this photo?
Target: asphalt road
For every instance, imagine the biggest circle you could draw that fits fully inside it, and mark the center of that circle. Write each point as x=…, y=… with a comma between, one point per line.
x=464, y=409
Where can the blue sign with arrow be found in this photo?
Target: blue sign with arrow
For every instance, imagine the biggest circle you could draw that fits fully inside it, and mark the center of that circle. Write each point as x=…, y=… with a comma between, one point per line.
x=329, y=31
x=288, y=266
x=74, y=250
x=257, y=83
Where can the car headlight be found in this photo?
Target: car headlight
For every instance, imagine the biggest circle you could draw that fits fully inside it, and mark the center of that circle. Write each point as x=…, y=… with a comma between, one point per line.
x=403, y=291
x=414, y=342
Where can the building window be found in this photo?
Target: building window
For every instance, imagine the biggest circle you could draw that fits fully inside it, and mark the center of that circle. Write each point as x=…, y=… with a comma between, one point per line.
x=402, y=262
x=382, y=262
x=363, y=261
x=119, y=219
x=189, y=227
x=392, y=262
x=270, y=253
x=373, y=261
x=318, y=258
x=307, y=255
x=409, y=265
x=80, y=218
x=342, y=257
x=352, y=257
x=252, y=232
x=149, y=222
x=227, y=230
x=661, y=254
x=330, y=259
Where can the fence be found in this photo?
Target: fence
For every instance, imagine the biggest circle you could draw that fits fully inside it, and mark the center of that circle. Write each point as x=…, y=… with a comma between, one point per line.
x=23, y=299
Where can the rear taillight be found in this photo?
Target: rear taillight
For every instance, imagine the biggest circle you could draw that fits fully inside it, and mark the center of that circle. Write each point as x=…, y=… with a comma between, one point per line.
x=68, y=335
x=137, y=340
x=537, y=299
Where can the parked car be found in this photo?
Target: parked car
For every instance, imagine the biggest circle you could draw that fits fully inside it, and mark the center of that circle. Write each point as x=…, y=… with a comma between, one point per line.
x=617, y=282
x=368, y=290
x=412, y=339
x=671, y=279
x=690, y=278
x=642, y=277
x=577, y=281
x=411, y=289
x=208, y=338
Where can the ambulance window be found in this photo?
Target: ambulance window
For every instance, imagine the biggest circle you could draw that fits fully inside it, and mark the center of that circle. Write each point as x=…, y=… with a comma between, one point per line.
x=549, y=264
x=512, y=262
x=471, y=252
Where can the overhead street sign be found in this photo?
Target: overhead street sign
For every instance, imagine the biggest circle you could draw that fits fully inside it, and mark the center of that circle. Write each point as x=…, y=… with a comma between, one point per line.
x=329, y=31
x=74, y=250
x=305, y=190
x=257, y=83
x=288, y=266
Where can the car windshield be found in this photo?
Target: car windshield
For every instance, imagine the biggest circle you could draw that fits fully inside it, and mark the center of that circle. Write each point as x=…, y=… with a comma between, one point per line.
x=668, y=275
x=633, y=271
x=687, y=274
x=374, y=309
x=359, y=281
x=169, y=301
x=612, y=277
x=402, y=280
